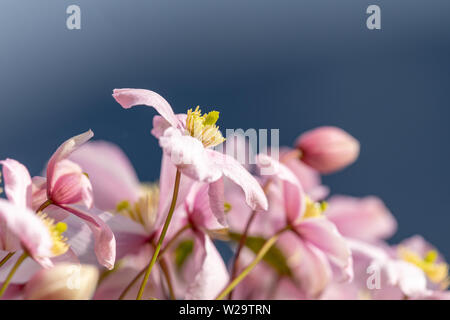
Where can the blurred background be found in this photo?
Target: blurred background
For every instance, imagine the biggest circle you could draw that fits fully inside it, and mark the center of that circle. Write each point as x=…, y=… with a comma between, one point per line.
x=292, y=65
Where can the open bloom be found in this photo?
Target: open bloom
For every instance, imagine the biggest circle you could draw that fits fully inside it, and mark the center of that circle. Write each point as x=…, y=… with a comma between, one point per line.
x=187, y=139
x=67, y=189
x=20, y=227
x=328, y=149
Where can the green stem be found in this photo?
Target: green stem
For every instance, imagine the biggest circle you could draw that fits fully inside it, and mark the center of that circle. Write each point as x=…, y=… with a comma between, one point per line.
x=168, y=245
x=12, y=272
x=162, y=236
x=6, y=258
x=260, y=255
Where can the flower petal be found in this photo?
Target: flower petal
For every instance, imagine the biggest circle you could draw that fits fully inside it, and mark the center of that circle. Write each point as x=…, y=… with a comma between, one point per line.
x=232, y=169
x=209, y=274
x=128, y=98
x=105, y=243
x=65, y=150
x=324, y=235
x=17, y=182
x=189, y=156
x=27, y=227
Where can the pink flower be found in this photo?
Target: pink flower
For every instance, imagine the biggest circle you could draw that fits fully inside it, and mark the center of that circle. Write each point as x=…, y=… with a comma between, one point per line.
x=68, y=190
x=328, y=149
x=313, y=245
x=20, y=227
x=188, y=139
x=366, y=218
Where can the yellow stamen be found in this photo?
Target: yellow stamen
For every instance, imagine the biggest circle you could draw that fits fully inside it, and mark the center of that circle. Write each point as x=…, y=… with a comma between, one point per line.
x=227, y=207
x=203, y=127
x=56, y=230
x=314, y=209
x=437, y=272
x=144, y=210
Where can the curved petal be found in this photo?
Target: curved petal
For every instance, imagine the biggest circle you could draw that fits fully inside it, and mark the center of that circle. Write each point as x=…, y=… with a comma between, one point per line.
x=232, y=169
x=110, y=171
x=160, y=124
x=128, y=98
x=293, y=193
x=210, y=274
x=17, y=182
x=65, y=150
x=216, y=195
x=70, y=185
x=105, y=243
x=324, y=235
x=189, y=156
x=361, y=218
x=28, y=227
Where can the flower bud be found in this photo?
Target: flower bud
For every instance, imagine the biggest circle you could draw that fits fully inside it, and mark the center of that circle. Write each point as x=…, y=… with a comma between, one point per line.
x=70, y=185
x=328, y=149
x=65, y=281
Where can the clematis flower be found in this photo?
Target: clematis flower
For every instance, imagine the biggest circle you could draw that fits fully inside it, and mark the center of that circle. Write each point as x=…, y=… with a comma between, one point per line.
x=67, y=189
x=327, y=149
x=188, y=138
x=20, y=228
x=313, y=248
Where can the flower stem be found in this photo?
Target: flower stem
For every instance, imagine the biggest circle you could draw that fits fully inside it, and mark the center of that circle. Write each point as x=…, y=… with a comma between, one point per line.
x=6, y=258
x=162, y=236
x=259, y=256
x=44, y=205
x=244, y=239
x=12, y=272
x=168, y=245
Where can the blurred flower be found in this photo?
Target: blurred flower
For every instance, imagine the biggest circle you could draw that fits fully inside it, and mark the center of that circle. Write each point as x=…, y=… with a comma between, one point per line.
x=328, y=149
x=366, y=218
x=62, y=282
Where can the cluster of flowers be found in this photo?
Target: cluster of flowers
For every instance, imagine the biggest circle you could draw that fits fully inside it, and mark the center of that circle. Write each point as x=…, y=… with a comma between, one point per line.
x=91, y=229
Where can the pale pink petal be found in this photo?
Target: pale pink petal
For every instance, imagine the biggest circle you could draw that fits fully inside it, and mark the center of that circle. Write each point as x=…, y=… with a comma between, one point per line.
x=217, y=201
x=111, y=173
x=361, y=218
x=28, y=227
x=17, y=182
x=65, y=150
x=189, y=156
x=70, y=185
x=232, y=169
x=105, y=243
x=128, y=98
x=324, y=235
x=160, y=124
x=209, y=274
x=309, y=264
x=293, y=194
x=198, y=207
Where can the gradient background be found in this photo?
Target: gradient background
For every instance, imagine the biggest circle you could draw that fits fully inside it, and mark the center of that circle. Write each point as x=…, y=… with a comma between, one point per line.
x=292, y=65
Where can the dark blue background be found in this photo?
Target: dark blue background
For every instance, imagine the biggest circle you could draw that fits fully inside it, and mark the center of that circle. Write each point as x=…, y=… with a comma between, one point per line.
x=292, y=65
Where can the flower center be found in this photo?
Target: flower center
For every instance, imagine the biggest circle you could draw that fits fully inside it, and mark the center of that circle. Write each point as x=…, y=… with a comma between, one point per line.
x=314, y=209
x=144, y=210
x=203, y=127
x=56, y=230
x=437, y=272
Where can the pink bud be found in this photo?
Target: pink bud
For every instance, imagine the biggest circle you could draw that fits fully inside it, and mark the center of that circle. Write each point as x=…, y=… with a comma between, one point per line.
x=70, y=185
x=328, y=149
x=65, y=281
